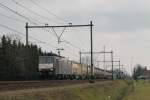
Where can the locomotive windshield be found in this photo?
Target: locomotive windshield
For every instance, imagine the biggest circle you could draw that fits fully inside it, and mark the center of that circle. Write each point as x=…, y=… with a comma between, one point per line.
x=45, y=59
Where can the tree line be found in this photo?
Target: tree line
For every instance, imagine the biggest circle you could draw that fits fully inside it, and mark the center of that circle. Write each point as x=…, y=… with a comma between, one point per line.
x=139, y=72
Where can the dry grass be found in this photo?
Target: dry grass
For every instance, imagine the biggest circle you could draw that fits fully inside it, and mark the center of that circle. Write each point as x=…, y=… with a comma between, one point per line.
x=141, y=91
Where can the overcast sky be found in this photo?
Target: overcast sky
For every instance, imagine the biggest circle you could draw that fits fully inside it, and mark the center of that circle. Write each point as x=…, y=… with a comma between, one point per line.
x=120, y=25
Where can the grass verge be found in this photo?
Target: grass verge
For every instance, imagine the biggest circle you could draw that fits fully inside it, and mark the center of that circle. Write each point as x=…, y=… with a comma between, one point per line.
x=141, y=91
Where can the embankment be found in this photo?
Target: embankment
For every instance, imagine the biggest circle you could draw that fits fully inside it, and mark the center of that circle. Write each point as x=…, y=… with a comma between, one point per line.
x=107, y=90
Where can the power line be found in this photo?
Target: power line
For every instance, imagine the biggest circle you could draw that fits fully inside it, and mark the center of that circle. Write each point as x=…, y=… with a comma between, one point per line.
x=11, y=29
x=22, y=16
x=65, y=41
x=19, y=14
x=79, y=39
x=15, y=12
x=72, y=53
x=24, y=35
x=51, y=13
x=26, y=18
x=58, y=36
x=69, y=43
x=19, y=32
x=46, y=18
x=11, y=18
x=31, y=11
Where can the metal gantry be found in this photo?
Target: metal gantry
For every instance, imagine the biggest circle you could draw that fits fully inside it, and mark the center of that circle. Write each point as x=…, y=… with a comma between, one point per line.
x=119, y=65
x=111, y=52
x=65, y=26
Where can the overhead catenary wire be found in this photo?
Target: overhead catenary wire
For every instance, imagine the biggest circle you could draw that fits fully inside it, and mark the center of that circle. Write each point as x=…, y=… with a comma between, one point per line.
x=51, y=13
x=15, y=12
x=12, y=18
x=83, y=49
x=69, y=43
x=52, y=28
x=30, y=11
x=1, y=25
x=75, y=55
x=18, y=31
x=99, y=55
x=4, y=26
x=46, y=18
x=19, y=14
x=24, y=35
x=33, y=12
x=65, y=41
x=58, y=36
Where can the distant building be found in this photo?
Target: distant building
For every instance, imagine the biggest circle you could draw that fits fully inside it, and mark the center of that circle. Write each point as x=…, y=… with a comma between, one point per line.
x=147, y=74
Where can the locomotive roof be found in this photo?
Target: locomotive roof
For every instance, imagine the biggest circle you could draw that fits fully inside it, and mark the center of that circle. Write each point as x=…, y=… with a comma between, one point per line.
x=51, y=56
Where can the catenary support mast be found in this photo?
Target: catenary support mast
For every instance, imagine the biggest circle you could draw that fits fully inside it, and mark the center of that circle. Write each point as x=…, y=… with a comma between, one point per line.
x=65, y=26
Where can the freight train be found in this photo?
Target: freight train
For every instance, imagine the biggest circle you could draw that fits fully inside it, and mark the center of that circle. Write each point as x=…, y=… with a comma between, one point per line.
x=56, y=67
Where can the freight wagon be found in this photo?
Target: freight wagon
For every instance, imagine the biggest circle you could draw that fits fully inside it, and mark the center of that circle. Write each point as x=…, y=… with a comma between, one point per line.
x=61, y=68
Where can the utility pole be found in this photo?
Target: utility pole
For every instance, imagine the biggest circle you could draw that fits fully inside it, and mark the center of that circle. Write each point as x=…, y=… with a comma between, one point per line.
x=26, y=34
x=104, y=62
x=122, y=70
x=92, y=68
x=119, y=70
x=80, y=57
x=112, y=65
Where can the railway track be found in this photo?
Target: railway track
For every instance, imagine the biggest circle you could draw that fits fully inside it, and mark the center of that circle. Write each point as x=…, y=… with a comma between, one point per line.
x=20, y=85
